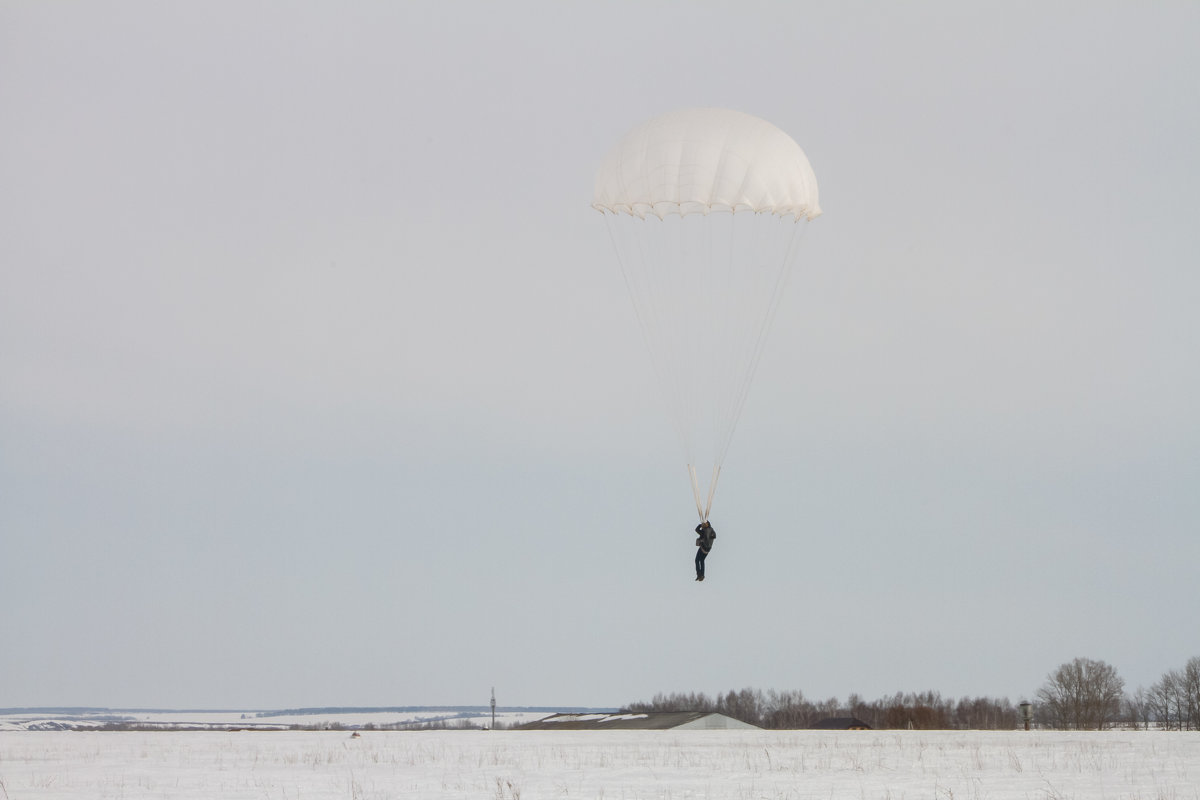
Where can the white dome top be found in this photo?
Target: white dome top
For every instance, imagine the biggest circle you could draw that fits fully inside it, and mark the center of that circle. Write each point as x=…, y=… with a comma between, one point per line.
x=706, y=159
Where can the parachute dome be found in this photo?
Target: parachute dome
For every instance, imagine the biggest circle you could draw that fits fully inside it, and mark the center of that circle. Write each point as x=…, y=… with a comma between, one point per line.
x=705, y=286
x=700, y=160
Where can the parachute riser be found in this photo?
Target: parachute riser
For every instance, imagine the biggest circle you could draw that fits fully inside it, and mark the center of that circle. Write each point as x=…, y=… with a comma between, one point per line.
x=704, y=507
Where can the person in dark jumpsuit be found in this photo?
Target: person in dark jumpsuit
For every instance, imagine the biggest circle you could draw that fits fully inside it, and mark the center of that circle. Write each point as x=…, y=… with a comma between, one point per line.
x=704, y=542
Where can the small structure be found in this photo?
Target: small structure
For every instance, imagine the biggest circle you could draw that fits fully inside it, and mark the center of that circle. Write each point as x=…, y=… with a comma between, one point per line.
x=646, y=721
x=840, y=724
x=1027, y=713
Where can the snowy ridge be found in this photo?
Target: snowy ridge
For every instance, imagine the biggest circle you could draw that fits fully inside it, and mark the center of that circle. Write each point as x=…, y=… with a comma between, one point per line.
x=594, y=717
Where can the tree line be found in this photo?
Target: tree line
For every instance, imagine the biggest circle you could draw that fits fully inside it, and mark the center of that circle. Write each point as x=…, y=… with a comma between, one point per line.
x=791, y=709
x=1173, y=702
x=1083, y=694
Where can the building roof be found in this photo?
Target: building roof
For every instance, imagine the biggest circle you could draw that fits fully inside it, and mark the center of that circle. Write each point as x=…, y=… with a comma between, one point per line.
x=647, y=720
x=840, y=724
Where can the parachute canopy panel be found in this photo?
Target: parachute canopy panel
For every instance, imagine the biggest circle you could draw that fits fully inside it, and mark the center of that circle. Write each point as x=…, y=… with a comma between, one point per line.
x=700, y=160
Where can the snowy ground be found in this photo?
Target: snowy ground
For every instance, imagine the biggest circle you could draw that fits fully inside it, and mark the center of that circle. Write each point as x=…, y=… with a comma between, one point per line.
x=665, y=765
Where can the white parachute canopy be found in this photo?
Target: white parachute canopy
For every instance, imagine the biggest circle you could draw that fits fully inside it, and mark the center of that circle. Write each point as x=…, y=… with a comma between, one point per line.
x=704, y=207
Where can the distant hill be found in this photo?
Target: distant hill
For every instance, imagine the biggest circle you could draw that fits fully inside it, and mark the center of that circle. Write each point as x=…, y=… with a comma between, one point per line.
x=414, y=709
x=325, y=718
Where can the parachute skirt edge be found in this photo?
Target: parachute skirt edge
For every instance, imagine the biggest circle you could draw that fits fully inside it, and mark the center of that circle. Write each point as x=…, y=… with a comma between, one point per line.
x=666, y=209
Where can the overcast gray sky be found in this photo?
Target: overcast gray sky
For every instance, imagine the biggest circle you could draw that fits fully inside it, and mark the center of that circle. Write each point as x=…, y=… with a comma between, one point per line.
x=319, y=384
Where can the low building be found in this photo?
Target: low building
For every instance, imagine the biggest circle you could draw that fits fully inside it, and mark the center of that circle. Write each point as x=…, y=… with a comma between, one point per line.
x=646, y=720
x=840, y=724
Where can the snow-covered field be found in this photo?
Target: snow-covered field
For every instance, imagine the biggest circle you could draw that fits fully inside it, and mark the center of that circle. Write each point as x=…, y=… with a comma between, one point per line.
x=305, y=765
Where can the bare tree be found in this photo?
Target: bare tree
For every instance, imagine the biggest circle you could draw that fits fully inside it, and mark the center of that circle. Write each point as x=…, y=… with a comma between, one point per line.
x=1175, y=699
x=1082, y=695
x=1161, y=700
x=746, y=705
x=867, y=712
x=1190, y=688
x=1138, y=709
x=788, y=709
x=985, y=713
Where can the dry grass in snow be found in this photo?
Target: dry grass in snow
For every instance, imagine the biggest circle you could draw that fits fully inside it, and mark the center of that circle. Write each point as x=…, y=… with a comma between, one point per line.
x=662, y=765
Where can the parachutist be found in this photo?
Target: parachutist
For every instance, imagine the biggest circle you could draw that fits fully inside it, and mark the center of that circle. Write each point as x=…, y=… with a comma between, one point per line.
x=704, y=542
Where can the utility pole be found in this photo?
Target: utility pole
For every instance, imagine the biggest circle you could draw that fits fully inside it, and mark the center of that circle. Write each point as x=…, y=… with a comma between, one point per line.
x=493, y=708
